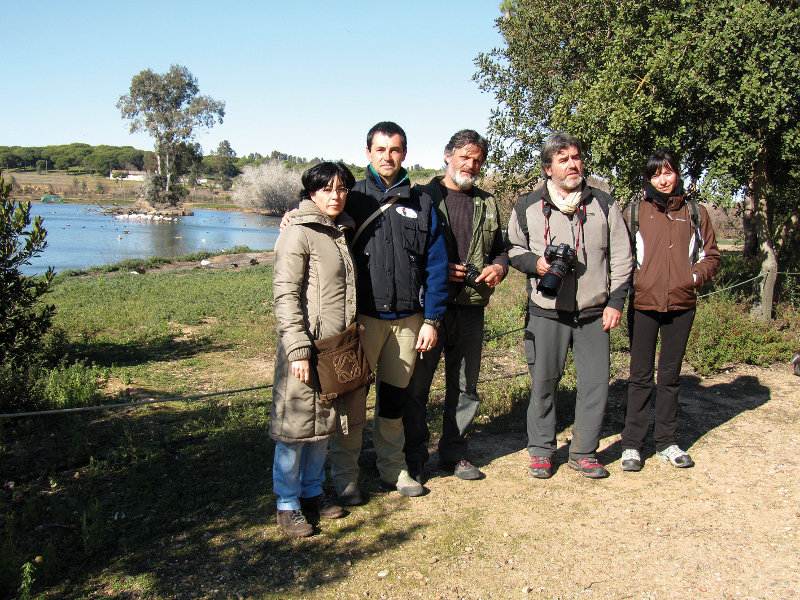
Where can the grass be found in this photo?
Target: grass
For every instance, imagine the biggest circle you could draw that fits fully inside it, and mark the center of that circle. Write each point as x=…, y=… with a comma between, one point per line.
x=153, y=501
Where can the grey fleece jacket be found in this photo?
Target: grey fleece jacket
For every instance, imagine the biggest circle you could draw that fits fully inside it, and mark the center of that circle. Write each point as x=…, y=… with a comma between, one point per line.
x=604, y=261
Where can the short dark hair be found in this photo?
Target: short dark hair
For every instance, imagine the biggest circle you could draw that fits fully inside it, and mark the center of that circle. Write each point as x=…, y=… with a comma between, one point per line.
x=467, y=137
x=387, y=128
x=320, y=175
x=657, y=160
x=558, y=141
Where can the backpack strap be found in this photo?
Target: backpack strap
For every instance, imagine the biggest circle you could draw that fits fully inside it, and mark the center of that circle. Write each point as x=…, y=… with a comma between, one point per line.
x=520, y=209
x=604, y=200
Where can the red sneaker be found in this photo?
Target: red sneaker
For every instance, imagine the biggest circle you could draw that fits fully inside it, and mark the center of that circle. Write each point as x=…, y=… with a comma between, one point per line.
x=541, y=467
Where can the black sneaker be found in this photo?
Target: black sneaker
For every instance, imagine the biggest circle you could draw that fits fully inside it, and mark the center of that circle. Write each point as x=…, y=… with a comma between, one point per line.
x=463, y=469
x=589, y=467
x=294, y=523
x=323, y=506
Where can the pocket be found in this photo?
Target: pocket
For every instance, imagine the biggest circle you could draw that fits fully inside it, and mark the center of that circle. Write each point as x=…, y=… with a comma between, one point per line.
x=414, y=237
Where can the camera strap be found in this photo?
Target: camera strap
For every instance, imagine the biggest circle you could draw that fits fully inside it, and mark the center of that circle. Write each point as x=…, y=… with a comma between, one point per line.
x=580, y=212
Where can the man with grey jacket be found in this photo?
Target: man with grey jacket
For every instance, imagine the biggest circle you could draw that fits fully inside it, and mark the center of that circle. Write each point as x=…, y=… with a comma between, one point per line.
x=570, y=240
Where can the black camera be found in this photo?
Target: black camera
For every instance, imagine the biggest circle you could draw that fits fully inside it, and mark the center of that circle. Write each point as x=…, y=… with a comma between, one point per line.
x=471, y=275
x=562, y=261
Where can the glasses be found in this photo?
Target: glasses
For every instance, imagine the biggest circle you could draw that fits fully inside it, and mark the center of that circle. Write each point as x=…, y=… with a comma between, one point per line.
x=339, y=191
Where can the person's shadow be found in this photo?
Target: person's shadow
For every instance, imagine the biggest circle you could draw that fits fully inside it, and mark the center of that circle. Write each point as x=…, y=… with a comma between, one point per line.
x=701, y=409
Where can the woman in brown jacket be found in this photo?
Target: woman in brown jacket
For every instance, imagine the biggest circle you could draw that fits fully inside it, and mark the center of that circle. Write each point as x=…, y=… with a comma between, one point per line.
x=674, y=255
x=315, y=290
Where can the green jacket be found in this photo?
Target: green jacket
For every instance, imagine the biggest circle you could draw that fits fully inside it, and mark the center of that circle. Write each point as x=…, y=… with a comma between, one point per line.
x=485, y=230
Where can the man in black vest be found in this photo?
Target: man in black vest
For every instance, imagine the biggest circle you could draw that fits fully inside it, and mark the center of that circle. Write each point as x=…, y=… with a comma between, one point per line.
x=402, y=293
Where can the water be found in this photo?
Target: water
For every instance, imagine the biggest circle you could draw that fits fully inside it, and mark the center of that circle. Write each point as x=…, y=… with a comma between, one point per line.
x=79, y=236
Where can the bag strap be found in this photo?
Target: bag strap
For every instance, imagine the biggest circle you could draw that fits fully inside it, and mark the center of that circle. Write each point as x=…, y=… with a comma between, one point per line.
x=383, y=208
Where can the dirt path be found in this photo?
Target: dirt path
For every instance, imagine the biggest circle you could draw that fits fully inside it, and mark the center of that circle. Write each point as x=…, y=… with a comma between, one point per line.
x=727, y=528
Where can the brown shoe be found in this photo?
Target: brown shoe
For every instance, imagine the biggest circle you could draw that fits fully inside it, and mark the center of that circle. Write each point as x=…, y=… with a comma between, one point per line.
x=294, y=523
x=323, y=506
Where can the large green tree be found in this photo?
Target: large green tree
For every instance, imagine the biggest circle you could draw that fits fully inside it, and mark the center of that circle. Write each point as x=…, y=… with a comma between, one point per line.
x=170, y=108
x=716, y=80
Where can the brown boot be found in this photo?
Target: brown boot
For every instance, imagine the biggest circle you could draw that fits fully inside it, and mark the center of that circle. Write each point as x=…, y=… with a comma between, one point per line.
x=294, y=523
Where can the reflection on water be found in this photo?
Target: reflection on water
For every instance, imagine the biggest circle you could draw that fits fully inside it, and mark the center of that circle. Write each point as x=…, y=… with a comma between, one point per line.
x=79, y=236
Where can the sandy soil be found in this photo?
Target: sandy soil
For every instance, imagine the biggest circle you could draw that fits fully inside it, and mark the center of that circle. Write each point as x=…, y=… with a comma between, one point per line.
x=727, y=528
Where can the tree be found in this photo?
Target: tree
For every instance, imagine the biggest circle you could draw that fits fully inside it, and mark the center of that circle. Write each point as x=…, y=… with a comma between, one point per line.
x=224, y=164
x=23, y=318
x=170, y=109
x=269, y=186
x=718, y=81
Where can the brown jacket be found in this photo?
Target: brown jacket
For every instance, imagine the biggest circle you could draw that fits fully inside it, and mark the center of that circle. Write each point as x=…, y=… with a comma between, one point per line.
x=670, y=261
x=315, y=297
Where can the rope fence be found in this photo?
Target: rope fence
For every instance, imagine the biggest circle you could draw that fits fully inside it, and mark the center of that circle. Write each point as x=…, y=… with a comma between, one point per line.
x=267, y=386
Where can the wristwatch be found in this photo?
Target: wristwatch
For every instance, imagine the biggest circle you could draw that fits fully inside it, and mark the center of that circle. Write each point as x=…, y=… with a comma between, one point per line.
x=433, y=323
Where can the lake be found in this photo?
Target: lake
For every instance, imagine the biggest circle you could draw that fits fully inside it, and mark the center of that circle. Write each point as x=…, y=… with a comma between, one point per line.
x=80, y=236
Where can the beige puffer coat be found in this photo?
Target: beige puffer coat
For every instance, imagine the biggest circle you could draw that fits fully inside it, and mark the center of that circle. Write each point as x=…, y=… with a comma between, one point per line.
x=315, y=297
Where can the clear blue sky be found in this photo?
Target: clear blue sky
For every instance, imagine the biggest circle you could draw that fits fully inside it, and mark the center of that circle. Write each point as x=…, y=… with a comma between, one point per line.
x=307, y=78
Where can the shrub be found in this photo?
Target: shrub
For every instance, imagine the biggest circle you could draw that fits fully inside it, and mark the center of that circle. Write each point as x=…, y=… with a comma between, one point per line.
x=269, y=186
x=724, y=335
x=23, y=318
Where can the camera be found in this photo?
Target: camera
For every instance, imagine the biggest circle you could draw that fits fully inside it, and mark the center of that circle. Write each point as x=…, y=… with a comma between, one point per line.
x=562, y=261
x=471, y=275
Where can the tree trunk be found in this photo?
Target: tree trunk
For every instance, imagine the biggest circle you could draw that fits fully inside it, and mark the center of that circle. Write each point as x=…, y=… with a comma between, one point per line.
x=750, y=247
x=169, y=171
x=762, y=309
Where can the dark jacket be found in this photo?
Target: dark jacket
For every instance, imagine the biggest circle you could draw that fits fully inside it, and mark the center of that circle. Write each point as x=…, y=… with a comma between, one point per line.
x=401, y=256
x=671, y=262
x=604, y=263
x=486, y=246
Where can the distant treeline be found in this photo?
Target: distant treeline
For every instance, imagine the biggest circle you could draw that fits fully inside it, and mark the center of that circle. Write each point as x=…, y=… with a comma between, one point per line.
x=91, y=159
x=103, y=160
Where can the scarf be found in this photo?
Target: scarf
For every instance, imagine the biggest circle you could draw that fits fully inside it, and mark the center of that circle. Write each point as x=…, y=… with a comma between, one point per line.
x=660, y=198
x=565, y=205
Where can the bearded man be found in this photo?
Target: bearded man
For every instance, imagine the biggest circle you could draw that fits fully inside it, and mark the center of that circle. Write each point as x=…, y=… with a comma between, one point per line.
x=477, y=262
x=570, y=240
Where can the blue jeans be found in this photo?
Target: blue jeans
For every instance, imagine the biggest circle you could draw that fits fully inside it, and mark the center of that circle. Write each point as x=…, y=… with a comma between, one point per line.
x=298, y=471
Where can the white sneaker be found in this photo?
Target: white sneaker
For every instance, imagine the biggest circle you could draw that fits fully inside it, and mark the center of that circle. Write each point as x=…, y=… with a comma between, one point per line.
x=631, y=460
x=408, y=486
x=676, y=457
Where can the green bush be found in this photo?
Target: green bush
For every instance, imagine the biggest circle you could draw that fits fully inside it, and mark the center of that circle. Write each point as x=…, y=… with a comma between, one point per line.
x=70, y=386
x=723, y=335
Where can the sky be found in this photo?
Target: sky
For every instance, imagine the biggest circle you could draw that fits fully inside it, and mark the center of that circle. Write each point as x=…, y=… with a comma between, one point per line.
x=307, y=78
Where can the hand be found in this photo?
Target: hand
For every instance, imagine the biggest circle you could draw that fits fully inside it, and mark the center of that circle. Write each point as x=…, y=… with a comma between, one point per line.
x=491, y=275
x=456, y=272
x=611, y=318
x=300, y=369
x=542, y=266
x=285, y=219
x=427, y=338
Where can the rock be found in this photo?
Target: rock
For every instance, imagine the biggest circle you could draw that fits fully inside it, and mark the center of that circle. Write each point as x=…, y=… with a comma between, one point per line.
x=383, y=574
x=433, y=560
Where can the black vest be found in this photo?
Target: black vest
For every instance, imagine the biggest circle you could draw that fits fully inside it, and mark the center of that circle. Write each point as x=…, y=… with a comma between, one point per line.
x=390, y=252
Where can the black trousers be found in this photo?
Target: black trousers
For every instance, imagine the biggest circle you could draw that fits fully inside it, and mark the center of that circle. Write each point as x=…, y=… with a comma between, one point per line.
x=645, y=327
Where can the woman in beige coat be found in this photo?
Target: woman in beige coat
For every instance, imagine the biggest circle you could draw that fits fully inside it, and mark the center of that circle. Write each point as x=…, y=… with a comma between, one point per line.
x=315, y=297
